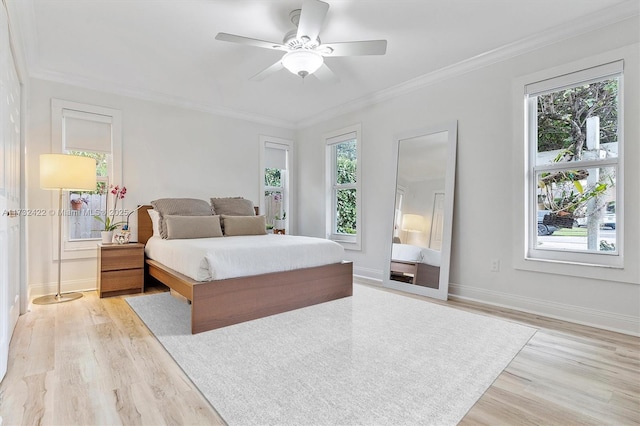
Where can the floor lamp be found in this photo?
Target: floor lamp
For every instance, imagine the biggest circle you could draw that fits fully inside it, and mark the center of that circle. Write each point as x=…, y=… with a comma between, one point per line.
x=64, y=172
x=414, y=226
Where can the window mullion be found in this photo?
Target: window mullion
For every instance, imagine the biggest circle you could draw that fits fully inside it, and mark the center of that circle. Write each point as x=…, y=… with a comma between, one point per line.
x=587, y=164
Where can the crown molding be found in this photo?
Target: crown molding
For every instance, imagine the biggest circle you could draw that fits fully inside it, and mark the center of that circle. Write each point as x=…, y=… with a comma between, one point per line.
x=157, y=97
x=626, y=10
x=18, y=46
x=26, y=42
x=27, y=39
x=26, y=14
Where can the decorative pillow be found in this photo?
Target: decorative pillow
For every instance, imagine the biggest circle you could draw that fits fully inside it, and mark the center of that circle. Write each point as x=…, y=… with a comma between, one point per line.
x=179, y=206
x=244, y=225
x=155, y=221
x=236, y=206
x=183, y=227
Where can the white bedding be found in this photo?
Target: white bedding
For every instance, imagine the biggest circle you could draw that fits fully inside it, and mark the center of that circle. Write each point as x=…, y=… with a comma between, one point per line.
x=206, y=259
x=410, y=253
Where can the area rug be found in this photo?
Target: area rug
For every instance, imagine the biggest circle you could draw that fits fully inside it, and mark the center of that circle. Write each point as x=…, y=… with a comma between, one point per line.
x=376, y=358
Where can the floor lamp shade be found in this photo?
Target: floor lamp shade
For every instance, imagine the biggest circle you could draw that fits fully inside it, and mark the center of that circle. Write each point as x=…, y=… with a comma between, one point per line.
x=62, y=171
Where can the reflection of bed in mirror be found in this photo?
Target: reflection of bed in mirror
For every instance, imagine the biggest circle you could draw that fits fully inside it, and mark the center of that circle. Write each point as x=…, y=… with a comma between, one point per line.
x=415, y=265
x=423, y=211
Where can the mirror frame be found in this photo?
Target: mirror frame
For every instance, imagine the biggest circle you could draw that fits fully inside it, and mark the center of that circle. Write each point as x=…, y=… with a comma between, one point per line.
x=442, y=292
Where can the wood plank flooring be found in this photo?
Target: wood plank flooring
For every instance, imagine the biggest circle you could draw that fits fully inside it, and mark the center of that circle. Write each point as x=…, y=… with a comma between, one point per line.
x=92, y=361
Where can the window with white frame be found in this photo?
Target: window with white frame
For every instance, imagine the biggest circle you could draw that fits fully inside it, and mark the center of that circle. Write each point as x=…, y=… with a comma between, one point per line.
x=95, y=132
x=275, y=173
x=397, y=223
x=574, y=180
x=343, y=186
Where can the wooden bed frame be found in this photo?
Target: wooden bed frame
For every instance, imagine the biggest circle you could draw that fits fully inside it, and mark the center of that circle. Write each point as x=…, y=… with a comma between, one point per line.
x=220, y=303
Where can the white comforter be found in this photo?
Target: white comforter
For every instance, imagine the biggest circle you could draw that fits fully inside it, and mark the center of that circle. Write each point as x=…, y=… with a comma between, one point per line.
x=206, y=259
x=410, y=253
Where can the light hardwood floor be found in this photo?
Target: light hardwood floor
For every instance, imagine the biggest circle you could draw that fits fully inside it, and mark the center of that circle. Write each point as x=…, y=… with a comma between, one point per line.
x=92, y=361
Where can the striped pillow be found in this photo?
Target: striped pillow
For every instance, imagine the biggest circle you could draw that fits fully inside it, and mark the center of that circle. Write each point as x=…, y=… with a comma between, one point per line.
x=181, y=207
x=235, y=206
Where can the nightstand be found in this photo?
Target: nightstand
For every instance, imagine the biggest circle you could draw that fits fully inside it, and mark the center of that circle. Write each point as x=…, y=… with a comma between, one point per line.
x=120, y=269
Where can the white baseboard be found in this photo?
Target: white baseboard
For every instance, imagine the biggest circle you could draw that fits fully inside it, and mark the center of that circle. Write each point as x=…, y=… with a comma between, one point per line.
x=366, y=280
x=42, y=289
x=626, y=324
x=369, y=276
x=619, y=323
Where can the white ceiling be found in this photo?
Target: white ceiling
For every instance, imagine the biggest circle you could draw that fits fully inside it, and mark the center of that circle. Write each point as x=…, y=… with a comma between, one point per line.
x=164, y=50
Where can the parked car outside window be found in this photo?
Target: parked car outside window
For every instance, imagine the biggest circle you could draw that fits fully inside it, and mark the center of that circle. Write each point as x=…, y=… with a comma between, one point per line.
x=608, y=219
x=542, y=228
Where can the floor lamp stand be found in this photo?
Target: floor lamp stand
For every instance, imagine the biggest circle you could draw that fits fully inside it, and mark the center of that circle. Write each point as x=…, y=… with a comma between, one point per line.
x=58, y=297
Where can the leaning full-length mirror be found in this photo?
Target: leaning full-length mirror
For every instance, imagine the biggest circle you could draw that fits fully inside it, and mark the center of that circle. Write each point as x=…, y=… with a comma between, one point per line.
x=420, y=248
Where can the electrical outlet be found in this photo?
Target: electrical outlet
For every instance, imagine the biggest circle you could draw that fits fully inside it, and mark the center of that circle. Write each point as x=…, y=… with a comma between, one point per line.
x=495, y=265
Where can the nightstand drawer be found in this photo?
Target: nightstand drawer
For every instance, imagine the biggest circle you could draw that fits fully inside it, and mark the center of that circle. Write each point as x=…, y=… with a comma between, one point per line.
x=122, y=258
x=120, y=269
x=127, y=279
x=401, y=267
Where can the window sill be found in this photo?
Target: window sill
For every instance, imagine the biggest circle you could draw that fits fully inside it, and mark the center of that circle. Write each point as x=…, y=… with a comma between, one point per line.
x=597, y=271
x=79, y=250
x=349, y=243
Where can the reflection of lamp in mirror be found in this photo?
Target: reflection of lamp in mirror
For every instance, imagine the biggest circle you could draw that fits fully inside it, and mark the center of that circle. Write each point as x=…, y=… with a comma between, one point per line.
x=414, y=225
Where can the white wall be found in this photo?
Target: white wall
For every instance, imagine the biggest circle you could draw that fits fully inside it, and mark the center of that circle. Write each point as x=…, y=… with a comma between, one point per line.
x=486, y=200
x=167, y=152
x=418, y=200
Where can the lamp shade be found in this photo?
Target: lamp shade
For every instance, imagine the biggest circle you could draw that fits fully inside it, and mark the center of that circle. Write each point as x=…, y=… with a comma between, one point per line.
x=62, y=171
x=413, y=222
x=302, y=62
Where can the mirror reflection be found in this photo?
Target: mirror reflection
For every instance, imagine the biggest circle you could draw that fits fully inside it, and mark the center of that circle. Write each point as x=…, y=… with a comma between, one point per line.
x=421, y=232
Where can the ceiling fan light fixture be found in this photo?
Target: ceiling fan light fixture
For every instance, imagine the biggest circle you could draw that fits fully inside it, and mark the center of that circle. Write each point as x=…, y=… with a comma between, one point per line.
x=302, y=62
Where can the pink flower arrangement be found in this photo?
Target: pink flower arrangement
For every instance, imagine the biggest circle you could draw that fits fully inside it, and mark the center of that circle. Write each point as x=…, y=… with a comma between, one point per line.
x=108, y=222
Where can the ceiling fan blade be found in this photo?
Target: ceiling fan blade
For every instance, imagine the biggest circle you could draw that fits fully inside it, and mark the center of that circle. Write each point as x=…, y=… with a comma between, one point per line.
x=268, y=71
x=311, y=19
x=325, y=74
x=353, y=48
x=250, y=41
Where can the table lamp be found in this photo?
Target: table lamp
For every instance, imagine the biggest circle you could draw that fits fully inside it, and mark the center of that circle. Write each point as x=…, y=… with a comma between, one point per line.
x=413, y=223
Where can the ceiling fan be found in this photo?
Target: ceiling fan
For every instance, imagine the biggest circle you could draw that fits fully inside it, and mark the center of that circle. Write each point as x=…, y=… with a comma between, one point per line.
x=305, y=52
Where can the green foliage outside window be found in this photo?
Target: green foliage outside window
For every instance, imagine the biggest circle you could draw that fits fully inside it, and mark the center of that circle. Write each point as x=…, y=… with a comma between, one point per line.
x=562, y=127
x=346, y=211
x=346, y=198
x=562, y=116
x=272, y=177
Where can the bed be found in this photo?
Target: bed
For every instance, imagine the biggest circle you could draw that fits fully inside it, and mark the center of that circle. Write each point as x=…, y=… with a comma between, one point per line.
x=415, y=265
x=217, y=303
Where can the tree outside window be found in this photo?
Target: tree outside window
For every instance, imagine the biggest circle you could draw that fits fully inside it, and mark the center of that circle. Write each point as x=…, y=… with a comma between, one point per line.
x=575, y=131
x=347, y=164
x=343, y=190
x=273, y=195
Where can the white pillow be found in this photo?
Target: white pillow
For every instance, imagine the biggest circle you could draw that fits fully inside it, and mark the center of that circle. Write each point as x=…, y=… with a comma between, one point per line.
x=406, y=252
x=155, y=221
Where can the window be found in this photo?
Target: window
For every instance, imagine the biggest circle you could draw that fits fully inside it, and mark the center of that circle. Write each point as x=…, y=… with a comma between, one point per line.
x=574, y=176
x=397, y=223
x=275, y=173
x=94, y=132
x=343, y=187
x=80, y=224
